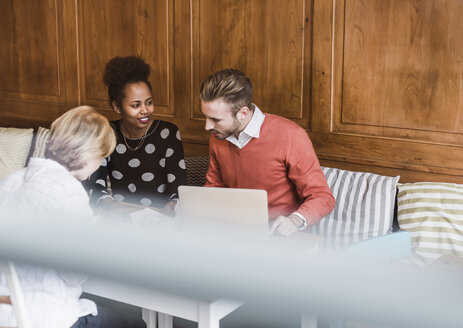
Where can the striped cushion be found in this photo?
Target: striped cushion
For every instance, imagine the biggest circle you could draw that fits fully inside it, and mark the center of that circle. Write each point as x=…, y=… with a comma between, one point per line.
x=14, y=148
x=40, y=142
x=364, y=207
x=433, y=214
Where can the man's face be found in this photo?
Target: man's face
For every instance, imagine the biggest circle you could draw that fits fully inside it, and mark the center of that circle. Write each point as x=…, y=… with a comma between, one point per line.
x=219, y=119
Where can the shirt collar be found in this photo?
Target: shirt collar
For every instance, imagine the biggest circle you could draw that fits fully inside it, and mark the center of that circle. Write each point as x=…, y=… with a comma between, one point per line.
x=252, y=129
x=254, y=125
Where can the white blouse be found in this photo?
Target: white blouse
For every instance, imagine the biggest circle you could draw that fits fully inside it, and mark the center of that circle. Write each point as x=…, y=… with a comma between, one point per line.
x=46, y=189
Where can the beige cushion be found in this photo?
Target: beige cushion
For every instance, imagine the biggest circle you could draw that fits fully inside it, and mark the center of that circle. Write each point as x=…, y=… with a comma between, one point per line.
x=14, y=147
x=433, y=214
x=40, y=142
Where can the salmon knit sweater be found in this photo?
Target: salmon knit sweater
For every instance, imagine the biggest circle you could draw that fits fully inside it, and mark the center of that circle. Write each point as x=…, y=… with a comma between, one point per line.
x=281, y=161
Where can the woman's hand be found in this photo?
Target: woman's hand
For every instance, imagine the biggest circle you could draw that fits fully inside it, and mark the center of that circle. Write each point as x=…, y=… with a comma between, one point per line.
x=118, y=211
x=169, y=208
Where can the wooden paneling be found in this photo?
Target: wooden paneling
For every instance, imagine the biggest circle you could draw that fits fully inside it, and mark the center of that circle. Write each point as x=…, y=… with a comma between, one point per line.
x=401, y=69
x=378, y=84
x=388, y=86
x=406, y=174
x=35, y=69
x=123, y=28
x=29, y=51
x=268, y=40
x=244, y=35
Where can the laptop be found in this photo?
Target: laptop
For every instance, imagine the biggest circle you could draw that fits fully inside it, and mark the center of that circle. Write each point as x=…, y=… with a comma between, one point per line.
x=240, y=214
x=241, y=208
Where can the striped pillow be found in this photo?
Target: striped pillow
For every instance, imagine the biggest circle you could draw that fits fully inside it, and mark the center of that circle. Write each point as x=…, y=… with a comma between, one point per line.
x=364, y=207
x=40, y=142
x=433, y=214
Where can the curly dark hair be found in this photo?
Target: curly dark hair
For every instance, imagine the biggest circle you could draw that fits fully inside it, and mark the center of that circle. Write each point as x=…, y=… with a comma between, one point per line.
x=120, y=71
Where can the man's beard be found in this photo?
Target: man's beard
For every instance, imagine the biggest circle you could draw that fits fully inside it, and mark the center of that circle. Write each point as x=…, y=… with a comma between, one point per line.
x=225, y=134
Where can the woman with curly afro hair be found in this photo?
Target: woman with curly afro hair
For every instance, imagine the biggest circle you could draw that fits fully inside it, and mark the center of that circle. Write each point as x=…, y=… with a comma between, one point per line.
x=147, y=165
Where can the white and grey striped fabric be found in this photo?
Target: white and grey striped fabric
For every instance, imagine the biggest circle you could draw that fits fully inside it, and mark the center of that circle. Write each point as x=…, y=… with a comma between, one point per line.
x=364, y=207
x=40, y=142
x=433, y=214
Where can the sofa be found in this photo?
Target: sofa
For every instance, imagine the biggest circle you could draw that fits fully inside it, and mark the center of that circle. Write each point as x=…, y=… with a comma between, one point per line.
x=367, y=205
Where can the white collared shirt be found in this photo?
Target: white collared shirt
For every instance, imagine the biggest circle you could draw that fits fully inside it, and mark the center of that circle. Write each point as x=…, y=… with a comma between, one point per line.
x=252, y=130
x=46, y=189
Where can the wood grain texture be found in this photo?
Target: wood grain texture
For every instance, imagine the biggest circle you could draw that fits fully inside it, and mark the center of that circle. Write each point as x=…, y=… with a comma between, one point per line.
x=268, y=40
x=195, y=138
x=386, y=87
x=401, y=69
x=378, y=84
x=406, y=175
x=30, y=53
x=122, y=28
x=37, y=74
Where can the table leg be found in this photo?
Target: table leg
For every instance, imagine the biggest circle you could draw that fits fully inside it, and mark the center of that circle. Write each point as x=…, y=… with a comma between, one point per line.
x=150, y=318
x=308, y=321
x=206, y=319
x=165, y=320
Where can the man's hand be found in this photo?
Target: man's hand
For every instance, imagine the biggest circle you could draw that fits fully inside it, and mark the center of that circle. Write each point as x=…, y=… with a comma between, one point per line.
x=286, y=225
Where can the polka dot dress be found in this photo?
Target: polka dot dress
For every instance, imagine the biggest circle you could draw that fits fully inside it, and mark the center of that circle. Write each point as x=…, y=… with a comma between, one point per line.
x=149, y=175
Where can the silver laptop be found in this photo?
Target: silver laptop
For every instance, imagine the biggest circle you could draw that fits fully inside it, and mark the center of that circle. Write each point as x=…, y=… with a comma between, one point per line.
x=245, y=208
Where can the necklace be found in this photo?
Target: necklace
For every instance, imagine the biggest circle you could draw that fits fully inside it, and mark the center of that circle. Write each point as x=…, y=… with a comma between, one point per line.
x=140, y=143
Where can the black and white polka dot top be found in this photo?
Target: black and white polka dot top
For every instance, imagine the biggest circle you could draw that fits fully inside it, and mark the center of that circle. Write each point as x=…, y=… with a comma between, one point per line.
x=149, y=175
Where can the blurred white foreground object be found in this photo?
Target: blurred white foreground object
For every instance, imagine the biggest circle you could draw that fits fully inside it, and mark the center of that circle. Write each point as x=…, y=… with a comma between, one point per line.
x=16, y=295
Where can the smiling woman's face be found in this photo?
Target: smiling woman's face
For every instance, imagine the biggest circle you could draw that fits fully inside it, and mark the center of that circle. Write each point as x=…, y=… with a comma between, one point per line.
x=136, y=109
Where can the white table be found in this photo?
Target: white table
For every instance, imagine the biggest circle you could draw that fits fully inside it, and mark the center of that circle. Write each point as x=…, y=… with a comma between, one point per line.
x=59, y=244
x=159, y=307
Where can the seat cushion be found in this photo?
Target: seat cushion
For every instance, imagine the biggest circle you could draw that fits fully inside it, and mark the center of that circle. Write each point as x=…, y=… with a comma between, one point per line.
x=40, y=142
x=14, y=149
x=364, y=207
x=196, y=169
x=433, y=214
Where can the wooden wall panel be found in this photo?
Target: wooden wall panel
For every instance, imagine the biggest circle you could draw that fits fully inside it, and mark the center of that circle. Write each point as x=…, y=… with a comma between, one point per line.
x=244, y=35
x=376, y=83
x=122, y=28
x=401, y=69
x=36, y=66
x=388, y=86
x=30, y=49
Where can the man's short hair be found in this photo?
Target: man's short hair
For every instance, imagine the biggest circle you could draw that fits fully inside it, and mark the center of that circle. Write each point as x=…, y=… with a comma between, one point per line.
x=79, y=135
x=231, y=86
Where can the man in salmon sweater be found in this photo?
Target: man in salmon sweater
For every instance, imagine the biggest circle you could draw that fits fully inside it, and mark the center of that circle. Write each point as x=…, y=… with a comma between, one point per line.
x=250, y=149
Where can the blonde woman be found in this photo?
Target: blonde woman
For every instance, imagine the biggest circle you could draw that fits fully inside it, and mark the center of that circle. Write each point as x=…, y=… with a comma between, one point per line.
x=50, y=188
x=79, y=140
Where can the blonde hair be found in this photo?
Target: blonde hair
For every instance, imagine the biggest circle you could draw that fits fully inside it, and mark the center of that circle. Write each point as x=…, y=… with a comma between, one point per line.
x=79, y=135
x=229, y=85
